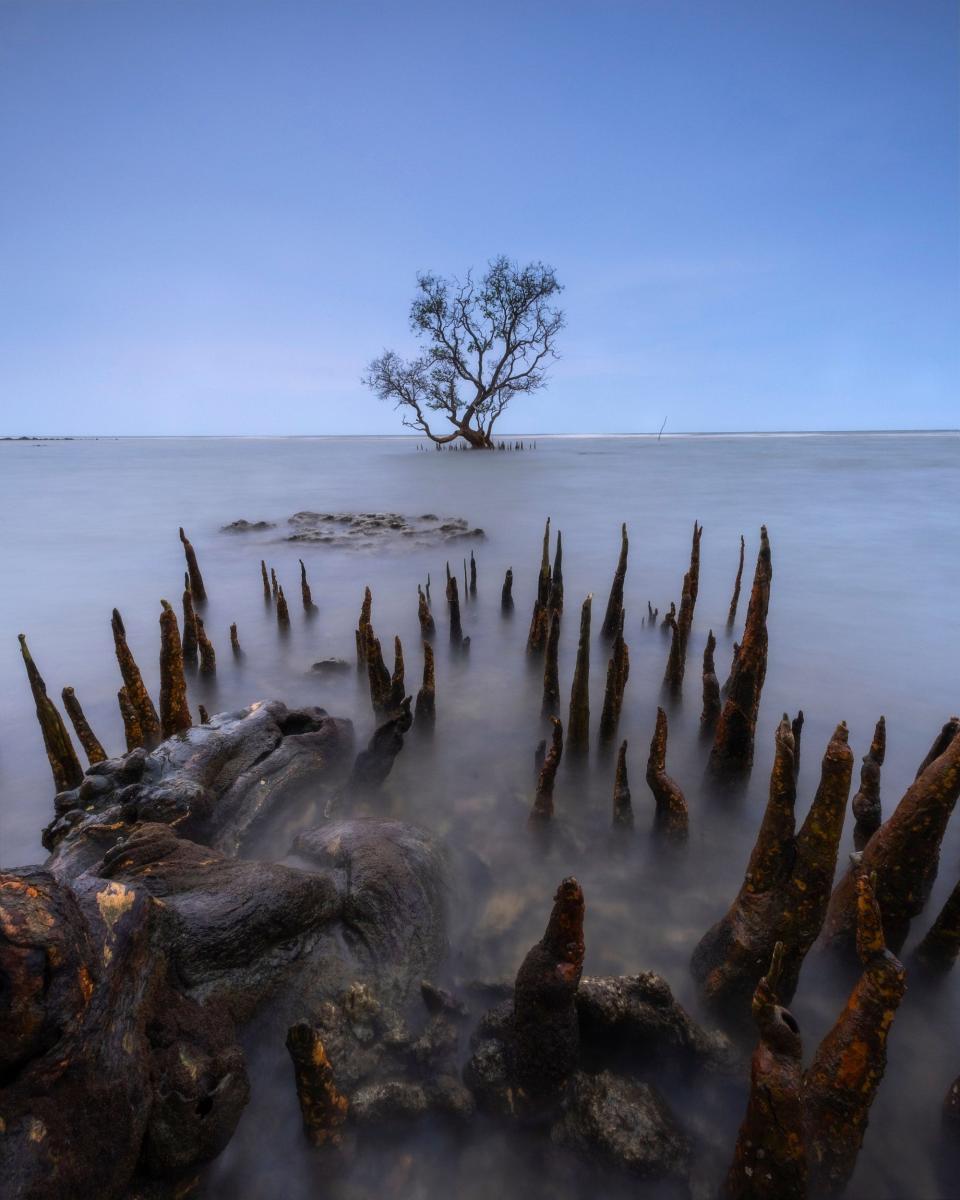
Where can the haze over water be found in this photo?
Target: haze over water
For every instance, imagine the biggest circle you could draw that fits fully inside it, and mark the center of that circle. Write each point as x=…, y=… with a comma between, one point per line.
x=863, y=620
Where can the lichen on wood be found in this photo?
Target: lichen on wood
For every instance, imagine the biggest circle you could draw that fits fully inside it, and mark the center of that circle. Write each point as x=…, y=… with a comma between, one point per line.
x=323, y=1107
x=208, y=656
x=133, y=682
x=174, y=711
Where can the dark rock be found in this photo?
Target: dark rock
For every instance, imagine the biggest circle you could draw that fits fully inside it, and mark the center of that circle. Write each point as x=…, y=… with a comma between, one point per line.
x=243, y=526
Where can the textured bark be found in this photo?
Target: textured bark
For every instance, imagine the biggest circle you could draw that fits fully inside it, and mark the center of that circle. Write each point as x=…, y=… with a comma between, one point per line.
x=711, y=688
x=189, y=624
x=322, y=1107
x=941, y=945
x=174, y=712
x=866, y=803
x=132, y=731
x=735, y=599
x=208, y=656
x=397, y=693
x=305, y=593
x=133, y=683
x=733, y=742
x=551, y=670
x=428, y=626
x=548, y=763
x=283, y=612
x=540, y=620
x=377, y=674
x=85, y=736
x=670, y=818
x=425, y=713
x=622, y=807
x=506, y=592
x=904, y=854
x=362, y=624
x=611, y=619
x=453, y=606
x=545, y=1021
x=842, y=1081
x=770, y=1161
x=266, y=580
x=578, y=725
x=786, y=888
x=196, y=579
x=940, y=743
x=555, y=599
x=64, y=764
x=618, y=670
x=676, y=660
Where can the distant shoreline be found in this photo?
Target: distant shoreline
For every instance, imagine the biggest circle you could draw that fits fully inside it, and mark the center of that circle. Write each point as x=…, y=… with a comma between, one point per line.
x=412, y=437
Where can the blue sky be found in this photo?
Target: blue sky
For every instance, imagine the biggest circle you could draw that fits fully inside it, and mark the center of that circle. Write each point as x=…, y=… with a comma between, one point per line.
x=213, y=211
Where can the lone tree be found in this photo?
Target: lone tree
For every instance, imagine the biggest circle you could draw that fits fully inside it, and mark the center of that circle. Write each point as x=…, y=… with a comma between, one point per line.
x=487, y=342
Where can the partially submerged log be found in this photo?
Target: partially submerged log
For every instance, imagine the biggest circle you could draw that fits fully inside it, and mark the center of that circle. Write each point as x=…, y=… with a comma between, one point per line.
x=732, y=751
x=133, y=734
x=711, y=688
x=770, y=1161
x=578, y=725
x=786, y=889
x=549, y=761
x=939, y=948
x=735, y=599
x=618, y=671
x=904, y=853
x=85, y=736
x=611, y=618
x=196, y=579
x=322, y=1107
x=670, y=818
x=428, y=626
x=551, y=670
x=622, y=807
x=208, y=656
x=62, y=757
x=189, y=624
x=840, y=1084
x=425, y=713
x=174, y=711
x=133, y=683
x=866, y=803
x=545, y=1020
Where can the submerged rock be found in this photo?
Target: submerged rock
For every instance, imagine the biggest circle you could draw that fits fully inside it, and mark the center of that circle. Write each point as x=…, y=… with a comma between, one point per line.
x=368, y=530
x=243, y=526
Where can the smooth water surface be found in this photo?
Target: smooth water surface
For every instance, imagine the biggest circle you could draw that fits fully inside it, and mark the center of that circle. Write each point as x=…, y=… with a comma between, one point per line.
x=863, y=620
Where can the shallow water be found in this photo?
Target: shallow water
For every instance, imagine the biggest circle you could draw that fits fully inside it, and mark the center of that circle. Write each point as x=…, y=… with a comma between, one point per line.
x=863, y=621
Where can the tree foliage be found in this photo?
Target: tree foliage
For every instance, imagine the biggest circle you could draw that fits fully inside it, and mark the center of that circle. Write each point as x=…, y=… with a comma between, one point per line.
x=487, y=341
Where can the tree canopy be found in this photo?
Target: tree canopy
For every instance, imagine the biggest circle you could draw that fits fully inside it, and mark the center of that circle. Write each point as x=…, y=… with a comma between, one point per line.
x=487, y=341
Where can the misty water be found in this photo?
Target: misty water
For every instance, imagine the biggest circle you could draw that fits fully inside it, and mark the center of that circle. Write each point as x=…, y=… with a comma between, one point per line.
x=863, y=620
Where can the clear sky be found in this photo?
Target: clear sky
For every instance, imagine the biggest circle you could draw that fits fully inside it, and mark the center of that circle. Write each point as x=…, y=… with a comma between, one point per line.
x=212, y=212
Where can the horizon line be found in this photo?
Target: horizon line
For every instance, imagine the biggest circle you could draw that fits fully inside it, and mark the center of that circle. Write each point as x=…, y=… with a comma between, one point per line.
x=41, y=437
